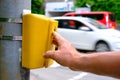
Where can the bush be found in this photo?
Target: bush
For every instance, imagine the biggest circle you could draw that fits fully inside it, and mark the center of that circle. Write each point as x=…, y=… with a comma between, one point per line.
x=38, y=6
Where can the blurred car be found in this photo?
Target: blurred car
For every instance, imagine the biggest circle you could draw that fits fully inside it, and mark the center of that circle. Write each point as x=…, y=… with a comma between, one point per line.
x=88, y=34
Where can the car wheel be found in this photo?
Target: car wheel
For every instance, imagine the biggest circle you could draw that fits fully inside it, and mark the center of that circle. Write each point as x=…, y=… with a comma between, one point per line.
x=102, y=47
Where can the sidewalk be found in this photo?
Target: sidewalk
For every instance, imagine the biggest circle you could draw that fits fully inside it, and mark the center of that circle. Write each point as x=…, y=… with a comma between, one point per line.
x=34, y=77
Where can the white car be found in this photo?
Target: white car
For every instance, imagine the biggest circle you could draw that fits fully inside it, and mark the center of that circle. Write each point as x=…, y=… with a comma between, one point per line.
x=88, y=34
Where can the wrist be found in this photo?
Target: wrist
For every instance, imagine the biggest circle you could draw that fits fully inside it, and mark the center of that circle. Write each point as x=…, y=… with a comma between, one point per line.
x=81, y=62
x=76, y=61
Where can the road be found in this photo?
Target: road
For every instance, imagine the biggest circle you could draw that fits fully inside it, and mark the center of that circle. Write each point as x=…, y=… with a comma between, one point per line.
x=58, y=72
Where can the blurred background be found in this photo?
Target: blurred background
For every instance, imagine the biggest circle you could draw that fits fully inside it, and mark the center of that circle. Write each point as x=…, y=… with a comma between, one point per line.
x=60, y=7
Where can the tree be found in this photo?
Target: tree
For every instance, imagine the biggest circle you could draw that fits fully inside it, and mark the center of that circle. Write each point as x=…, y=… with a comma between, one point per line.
x=38, y=6
x=101, y=5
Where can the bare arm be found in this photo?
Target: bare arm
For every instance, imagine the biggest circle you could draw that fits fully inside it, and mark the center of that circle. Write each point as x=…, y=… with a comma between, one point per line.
x=104, y=63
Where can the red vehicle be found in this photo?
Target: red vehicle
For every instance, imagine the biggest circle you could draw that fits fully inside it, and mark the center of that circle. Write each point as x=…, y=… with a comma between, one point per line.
x=107, y=18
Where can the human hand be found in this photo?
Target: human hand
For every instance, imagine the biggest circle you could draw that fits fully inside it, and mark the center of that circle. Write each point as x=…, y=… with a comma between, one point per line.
x=66, y=53
x=99, y=63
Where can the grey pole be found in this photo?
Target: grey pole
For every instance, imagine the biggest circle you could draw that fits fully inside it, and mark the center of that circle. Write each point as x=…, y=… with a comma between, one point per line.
x=10, y=47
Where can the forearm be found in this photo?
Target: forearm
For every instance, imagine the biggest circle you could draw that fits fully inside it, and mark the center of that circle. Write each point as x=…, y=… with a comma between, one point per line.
x=106, y=63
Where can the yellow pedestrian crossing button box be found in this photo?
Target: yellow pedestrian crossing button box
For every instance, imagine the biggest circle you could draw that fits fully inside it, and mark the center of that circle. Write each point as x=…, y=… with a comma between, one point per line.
x=36, y=40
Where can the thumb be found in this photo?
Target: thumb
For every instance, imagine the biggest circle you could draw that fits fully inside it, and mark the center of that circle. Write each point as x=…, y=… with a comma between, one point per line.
x=49, y=54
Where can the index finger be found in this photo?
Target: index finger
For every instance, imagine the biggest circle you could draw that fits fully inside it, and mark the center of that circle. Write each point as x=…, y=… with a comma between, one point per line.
x=58, y=39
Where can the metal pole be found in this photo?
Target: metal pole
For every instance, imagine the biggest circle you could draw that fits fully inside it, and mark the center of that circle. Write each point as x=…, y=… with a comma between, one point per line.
x=10, y=47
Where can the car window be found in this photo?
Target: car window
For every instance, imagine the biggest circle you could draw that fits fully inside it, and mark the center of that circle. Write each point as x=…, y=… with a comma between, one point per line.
x=93, y=16
x=96, y=24
x=112, y=17
x=66, y=24
x=70, y=24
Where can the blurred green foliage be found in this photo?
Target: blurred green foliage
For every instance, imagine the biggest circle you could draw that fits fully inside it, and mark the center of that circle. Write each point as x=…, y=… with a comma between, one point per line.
x=37, y=6
x=96, y=5
x=101, y=5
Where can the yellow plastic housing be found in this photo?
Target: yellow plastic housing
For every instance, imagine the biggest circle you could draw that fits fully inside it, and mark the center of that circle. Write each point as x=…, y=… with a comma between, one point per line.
x=36, y=40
